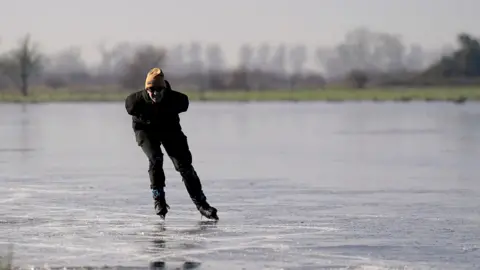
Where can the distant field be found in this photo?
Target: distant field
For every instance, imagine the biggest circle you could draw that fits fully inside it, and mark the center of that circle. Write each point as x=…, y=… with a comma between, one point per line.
x=338, y=95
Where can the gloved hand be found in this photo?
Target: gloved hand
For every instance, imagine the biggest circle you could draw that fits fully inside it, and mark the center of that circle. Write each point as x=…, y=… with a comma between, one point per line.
x=141, y=120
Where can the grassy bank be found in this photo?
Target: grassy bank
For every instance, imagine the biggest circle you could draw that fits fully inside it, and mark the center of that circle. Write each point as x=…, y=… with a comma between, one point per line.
x=421, y=94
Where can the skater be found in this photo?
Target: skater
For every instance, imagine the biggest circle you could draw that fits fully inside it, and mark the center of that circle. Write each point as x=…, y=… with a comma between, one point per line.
x=155, y=120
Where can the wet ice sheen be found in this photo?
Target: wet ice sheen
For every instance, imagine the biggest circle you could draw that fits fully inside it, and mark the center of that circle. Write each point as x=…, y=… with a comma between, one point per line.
x=298, y=186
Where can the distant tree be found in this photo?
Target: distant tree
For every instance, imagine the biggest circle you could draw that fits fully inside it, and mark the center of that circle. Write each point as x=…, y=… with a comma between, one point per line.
x=359, y=78
x=69, y=60
x=3, y=79
x=65, y=67
x=239, y=80
x=143, y=59
x=277, y=63
x=260, y=66
x=195, y=59
x=468, y=57
x=415, y=58
x=215, y=60
x=262, y=57
x=175, y=61
x=245, y=55
x=55, y=81
x=245, y=67
x=297, y=59
x=323, y=59
x=464, y=62
x=113, y=61
x=215, y=64
x=22, y=63
x=366, y=50
x=195, y=65
x=392, y=51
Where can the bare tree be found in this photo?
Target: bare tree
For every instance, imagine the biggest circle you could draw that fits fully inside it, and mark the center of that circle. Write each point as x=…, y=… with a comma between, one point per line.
x=144, y=58
x=415, y=58
x=245, y=55
x=195, y=64
x=66, y=67
x=215, y=58
x=69, y=60
x=298, y=57
x=278, y=60
x=245, y=66
x=392, y=51
x=262, y=57
x=260, y=65
x=359, y=78
x=239, y=79
x=3, y=79
x=22, y=63
x=113, y=61
x=362, y=49
x=175, y=60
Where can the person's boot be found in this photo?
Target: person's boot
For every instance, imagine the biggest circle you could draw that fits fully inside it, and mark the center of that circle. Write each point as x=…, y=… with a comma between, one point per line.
x=194, y=189
x=200, y=201
x=161, y=206
x=207, y=211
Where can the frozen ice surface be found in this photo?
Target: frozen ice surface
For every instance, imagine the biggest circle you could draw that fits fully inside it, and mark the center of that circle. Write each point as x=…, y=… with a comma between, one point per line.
x=297, y=186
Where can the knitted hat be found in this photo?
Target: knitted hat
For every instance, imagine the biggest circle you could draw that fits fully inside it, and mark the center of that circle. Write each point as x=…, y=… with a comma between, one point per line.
x=155, y=77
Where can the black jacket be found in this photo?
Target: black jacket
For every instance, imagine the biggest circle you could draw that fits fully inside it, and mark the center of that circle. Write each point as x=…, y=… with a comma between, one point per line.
x=161, y=116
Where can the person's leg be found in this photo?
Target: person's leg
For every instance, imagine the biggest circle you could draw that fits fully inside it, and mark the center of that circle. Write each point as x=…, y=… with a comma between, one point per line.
x=176, y=146
x=150, y=144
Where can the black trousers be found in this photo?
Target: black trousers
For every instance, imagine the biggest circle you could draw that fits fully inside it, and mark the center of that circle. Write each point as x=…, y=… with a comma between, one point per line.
x=176, y=146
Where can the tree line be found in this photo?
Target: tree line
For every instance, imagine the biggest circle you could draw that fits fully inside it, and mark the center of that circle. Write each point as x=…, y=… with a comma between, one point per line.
x=363, y=58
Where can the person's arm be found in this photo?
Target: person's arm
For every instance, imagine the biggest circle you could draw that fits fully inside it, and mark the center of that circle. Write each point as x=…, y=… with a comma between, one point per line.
x=180, y=100
x=131, y=105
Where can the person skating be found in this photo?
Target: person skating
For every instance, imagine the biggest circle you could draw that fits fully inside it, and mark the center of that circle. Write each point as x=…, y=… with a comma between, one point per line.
x=155, y=120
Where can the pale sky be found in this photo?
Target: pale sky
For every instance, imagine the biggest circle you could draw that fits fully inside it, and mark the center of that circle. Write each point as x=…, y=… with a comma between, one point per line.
x=57, y=24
